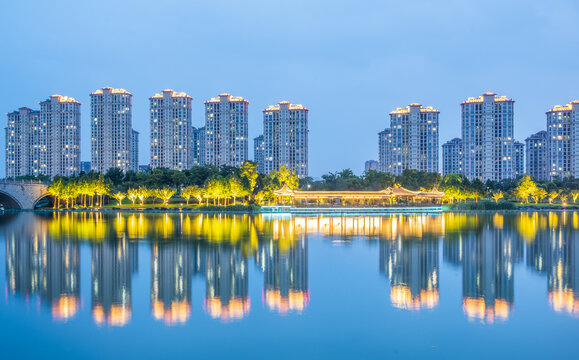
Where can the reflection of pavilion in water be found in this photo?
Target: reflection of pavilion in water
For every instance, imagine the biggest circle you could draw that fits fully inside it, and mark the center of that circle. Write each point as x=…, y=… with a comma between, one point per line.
x=37, y=265
x=412, y=267
x=555, y=251
x=285, y=267
x=112, y=266
x=172, y=266
x=487, y=273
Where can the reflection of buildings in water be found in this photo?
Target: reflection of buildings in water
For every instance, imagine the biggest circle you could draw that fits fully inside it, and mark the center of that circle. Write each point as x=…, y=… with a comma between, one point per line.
x=171, y=275
x=285, y=275
x=412, y=267
x=452, y=250
x=50, y=269
x=488, y=278
x=113, y=263
x=226, y=278
x=555, y=251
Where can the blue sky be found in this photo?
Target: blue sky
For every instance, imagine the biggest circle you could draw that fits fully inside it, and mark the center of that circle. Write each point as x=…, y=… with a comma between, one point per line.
x=349, y=62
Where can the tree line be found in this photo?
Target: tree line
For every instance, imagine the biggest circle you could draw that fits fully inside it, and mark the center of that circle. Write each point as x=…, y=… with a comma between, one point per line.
x=202, y=185
x=229, y=185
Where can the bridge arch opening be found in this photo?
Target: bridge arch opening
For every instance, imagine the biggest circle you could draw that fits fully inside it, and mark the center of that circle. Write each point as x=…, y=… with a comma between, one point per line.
x=45, y=201
x=8, y=202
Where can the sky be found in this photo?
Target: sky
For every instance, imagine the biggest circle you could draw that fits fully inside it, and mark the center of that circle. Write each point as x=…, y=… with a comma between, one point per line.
x=349, y=62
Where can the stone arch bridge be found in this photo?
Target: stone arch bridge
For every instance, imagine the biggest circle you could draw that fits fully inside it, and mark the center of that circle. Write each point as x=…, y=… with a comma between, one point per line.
x=21, y=194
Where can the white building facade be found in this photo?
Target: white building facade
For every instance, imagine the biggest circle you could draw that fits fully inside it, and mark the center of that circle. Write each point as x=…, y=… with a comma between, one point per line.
x=45, y=142
x=487, y=135
x=226, y=131
x=285, y=138
x=414, y=135
x=111, y=130
x=171, y=130
x=563, y=140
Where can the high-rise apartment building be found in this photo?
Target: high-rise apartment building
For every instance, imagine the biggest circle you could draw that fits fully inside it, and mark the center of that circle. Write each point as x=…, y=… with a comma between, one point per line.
x=226, y=130
x=285, y=138
x=385, y=150
x=452, y=157
x=111, y=130
x=487, y=135
x=60, y=115
x=414, y=135
x=563, y=140
x=171, y=129
x=258, y=150
x=45, y=142
x=23, y=146
x=537, y=156
x=198, y=148
x=519, y=150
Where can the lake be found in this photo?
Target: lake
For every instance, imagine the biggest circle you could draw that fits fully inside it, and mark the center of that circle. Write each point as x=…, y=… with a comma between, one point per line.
x=134, y=285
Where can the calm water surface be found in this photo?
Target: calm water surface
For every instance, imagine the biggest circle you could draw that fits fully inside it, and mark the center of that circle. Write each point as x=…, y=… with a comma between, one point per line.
x=162, y=285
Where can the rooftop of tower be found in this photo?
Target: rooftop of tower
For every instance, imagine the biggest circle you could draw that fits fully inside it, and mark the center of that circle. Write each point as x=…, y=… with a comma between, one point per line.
x=406, y=110
x=567, y=107
x=290, y=106
x=112, y=90
x=480, y=99
x=230, y=98
x=173, y=94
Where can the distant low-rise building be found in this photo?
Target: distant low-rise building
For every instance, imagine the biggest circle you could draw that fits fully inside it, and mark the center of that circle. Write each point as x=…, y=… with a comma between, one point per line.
x=452, y=157
x=519, y=158
x=371, y=165
x=385, y=150
x=198, y=146
x=258, y=150
x=85, y=166
x=537, y=156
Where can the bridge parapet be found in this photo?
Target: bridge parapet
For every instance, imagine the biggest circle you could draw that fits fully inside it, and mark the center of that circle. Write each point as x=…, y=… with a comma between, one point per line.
x=21, y=194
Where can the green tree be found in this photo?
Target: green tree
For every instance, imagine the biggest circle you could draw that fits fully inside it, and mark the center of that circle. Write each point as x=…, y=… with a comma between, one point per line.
x=166, y=194
x=526, y=186
x=119, y=196
x=248, y=171
x=133, y=194
x=497, y=195
x=539, y=194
